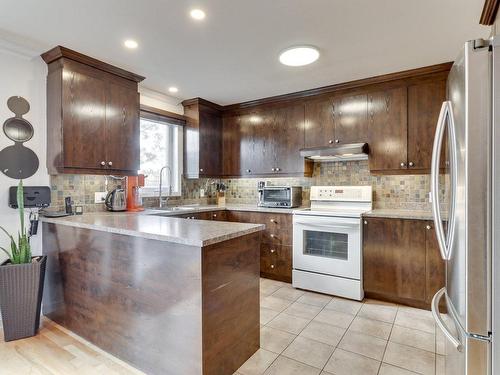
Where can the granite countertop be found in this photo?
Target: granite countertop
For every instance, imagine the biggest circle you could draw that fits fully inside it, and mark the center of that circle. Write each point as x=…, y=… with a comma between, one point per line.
x=187, y=232
x=400, y=214
x=203, y=208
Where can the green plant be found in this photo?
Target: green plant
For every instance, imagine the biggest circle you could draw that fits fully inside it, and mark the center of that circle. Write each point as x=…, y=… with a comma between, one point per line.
x=20, y=252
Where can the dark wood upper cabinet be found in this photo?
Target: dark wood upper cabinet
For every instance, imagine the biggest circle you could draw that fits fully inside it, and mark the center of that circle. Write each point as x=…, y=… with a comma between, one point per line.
x=319, y=124
x=401, y=261
x=202, y=139
x=122, y=132
x=387, y=129
x=92, y=115
x=424, y=104
x=350, y=117
x=266, y=140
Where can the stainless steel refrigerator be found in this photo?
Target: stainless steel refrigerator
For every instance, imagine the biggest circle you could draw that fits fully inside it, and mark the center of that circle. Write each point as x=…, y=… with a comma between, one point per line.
x=465, y=193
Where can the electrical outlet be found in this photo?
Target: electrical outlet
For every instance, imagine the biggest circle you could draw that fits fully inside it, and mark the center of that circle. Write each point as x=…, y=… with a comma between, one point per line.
x=202, y=193
x=100, y=196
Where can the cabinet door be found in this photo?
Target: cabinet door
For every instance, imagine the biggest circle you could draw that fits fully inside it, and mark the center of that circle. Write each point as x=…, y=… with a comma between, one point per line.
x=350, y=117
x=394, y=258
x=319, y=126
x=235, y=146
x=255, y=144
x=435, y=265
x=289, y=135
x=84, y=118
x=210, y=143
x=122, y=128
x=424, y=104
x=387, y=130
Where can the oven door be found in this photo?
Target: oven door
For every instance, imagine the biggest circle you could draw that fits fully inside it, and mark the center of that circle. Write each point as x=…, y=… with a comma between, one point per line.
x=327, y=245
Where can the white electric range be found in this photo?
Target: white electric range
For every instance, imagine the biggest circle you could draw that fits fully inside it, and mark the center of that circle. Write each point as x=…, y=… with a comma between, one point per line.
x=327, y=240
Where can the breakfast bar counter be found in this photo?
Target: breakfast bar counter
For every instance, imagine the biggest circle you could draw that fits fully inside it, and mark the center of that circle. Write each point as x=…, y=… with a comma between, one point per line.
x=167, y=295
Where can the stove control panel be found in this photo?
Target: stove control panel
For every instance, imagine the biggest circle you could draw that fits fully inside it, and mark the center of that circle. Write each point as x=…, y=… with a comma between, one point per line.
x=341, y=193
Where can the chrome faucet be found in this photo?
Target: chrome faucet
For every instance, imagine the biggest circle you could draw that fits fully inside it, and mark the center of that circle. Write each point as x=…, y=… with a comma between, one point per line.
x=164, y=201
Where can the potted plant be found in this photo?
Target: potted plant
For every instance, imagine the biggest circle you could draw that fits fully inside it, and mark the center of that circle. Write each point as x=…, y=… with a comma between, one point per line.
x=21, y=283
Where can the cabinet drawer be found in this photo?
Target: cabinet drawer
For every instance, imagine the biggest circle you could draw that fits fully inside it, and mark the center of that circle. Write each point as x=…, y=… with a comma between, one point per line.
x=278, y=229
x=276, y=261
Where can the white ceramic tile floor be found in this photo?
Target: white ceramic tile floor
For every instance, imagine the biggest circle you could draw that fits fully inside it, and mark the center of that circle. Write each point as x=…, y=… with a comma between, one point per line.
x=309, y=333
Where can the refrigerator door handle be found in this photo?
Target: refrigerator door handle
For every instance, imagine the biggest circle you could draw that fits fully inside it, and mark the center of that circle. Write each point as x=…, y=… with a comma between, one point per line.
x=439, y=321
x=444, y=245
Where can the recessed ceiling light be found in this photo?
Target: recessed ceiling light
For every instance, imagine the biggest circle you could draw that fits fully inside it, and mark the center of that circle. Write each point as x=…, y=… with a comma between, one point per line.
x=173, y=89
x=130, y=43
x=299, y=55
x=197, y=14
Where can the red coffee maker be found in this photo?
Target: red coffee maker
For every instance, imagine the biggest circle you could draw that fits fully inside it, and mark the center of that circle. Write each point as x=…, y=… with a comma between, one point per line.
x=134, y=199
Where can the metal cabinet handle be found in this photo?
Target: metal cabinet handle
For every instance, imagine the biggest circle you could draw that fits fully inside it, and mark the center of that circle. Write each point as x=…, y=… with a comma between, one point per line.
x=428, y=227
x=273, y=221
x=273, y=235
x=110, y=163
x=365, y=222
x=411, y=164
x=273, y=169
x=214, y=215
x=201, y=169
x=278, y=169
x=273, y=251
x=403, y=164
x=249, y=171
x=337, y=141
x=439, y=321
x=330, y=141
x=272, y=265
x=103, y=163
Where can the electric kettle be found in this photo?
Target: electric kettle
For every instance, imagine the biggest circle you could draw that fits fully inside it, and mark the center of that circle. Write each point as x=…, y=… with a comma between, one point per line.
x=116, y=200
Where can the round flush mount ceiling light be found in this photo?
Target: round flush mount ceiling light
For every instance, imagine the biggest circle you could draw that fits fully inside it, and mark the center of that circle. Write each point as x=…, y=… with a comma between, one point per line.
x=130, y=44
x=173, y=89
x=197, y=14
x=299, y=55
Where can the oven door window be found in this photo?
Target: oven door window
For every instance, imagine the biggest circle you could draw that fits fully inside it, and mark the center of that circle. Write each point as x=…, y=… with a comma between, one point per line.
x=276, y=195
x=326, y=244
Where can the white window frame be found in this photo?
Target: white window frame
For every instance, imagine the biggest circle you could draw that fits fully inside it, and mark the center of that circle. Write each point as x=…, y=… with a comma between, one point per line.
x=172, y=156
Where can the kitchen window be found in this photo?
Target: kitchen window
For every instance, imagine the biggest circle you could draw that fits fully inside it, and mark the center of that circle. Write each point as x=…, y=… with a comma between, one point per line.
x=161, y=145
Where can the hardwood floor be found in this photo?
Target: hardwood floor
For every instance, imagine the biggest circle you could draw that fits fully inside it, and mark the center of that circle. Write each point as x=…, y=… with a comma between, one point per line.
x=56, y=351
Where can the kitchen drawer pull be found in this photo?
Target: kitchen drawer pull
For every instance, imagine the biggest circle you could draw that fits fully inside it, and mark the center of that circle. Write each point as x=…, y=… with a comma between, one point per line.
x=402, y=165
x=273, y=251
x=103, y=163
x=273, y=221
x=214, y=215
x=273, y=235
x=428, y=227
x=272, y=265
x=278, y=169
x=110, y=163
x=411, y=164
x=439, y=321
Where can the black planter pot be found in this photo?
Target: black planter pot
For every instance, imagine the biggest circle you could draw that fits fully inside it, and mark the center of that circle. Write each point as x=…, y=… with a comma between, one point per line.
x=21, y=290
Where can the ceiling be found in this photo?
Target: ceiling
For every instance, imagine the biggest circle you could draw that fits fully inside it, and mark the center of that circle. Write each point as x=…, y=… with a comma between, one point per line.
x=232, y=56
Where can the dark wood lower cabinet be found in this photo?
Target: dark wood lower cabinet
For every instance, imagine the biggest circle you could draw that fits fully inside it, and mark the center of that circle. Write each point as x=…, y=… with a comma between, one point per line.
x=163, y=307
x=276, y=243
x=401, y=261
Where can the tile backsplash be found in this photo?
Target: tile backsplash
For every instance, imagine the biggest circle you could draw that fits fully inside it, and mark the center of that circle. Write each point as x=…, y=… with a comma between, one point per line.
x=390, y=191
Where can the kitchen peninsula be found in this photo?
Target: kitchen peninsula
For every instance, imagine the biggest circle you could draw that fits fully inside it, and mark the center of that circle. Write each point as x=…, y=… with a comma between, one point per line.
x=165, y=294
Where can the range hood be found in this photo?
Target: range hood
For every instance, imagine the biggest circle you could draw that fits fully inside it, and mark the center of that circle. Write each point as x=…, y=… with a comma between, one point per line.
x=343, y=152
